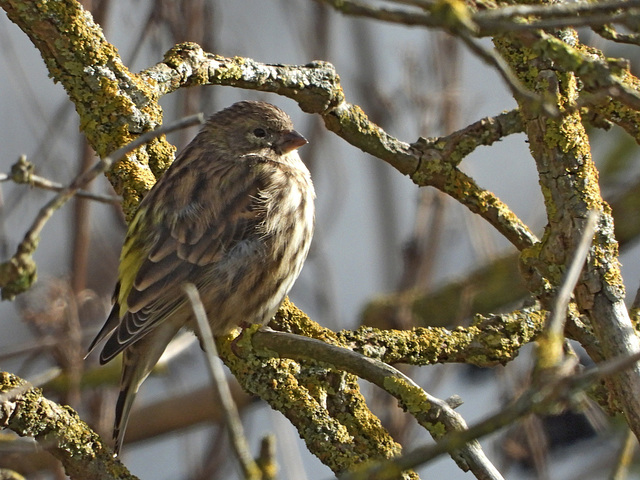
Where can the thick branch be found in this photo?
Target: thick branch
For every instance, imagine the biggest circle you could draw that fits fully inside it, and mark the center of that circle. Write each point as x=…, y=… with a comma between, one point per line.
x=430, y=412
x=548, y=394
x=114, y=105
x=487, y=342
x=569, y=182
x=325, y=405
x=58, y=430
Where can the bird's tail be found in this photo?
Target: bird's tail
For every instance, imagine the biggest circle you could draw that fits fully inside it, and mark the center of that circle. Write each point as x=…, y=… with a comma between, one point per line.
x=127, y=395
x=137, y=362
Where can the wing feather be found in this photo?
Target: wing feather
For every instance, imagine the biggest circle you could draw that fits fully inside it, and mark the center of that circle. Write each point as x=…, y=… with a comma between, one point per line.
x=184, y=245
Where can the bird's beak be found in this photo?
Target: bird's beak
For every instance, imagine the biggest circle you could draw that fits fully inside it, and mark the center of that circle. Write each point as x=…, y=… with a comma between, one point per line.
x=289, y=141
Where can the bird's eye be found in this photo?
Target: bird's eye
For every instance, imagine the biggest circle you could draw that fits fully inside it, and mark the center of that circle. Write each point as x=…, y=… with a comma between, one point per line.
x=260, y=132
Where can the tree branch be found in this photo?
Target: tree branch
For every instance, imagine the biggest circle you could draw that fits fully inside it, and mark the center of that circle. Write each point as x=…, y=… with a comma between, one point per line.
x=430, y=412
x=22, y=174
x=548, y=394
x=451, y=15
x=569, y=181
x=324, y=404
x=113, y=104
x=58, y=430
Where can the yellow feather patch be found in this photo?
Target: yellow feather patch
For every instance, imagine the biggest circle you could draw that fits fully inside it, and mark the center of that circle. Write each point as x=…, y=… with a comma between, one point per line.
x=131, y=259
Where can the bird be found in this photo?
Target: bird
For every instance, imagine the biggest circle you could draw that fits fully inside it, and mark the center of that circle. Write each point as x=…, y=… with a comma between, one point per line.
x=234, y=215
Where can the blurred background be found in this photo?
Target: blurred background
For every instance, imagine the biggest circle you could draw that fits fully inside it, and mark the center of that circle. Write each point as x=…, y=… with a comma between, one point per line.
x=377, y=234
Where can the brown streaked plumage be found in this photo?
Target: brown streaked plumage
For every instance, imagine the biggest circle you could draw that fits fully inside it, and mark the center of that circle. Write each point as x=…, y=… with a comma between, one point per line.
x=233, y=215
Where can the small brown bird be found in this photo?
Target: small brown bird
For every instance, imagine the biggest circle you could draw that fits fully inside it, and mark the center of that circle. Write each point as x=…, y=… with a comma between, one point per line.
x=234, y=215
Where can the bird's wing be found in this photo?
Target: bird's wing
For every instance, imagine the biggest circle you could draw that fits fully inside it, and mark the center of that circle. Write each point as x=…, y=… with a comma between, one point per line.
x=183, y=247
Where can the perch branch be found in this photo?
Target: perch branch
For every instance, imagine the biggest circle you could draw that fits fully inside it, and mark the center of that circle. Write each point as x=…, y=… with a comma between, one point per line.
x=430, y=412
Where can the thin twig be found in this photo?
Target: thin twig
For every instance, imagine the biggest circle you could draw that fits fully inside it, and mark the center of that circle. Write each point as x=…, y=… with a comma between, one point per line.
x=555, y=10
x=191, y=120
x=610, y=33
x=518, y=90
x=557, y=318
x=423, y=4
x=575, y=14
x=594, y=20
x=624, y=458
x=507, y=19
x=21, y=173
x=232, y=417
